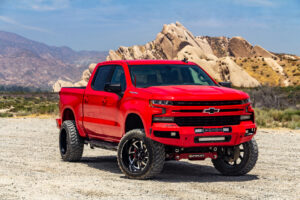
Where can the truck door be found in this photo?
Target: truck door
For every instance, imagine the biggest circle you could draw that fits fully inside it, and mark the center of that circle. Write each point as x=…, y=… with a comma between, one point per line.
x=110, y=109
x=94, y=99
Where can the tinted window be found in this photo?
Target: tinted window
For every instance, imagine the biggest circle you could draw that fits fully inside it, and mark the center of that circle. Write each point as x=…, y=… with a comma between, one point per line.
x=160, y=75
x=101, y=77
x=118, y=77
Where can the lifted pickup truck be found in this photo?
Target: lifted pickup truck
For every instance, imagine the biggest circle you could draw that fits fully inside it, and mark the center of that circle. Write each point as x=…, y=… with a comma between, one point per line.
x=151, y=111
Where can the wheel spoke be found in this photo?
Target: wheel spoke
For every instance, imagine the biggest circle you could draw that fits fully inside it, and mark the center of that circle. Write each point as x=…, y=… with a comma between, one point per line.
x=134, y=144
x=144, y=163
x=142, y=145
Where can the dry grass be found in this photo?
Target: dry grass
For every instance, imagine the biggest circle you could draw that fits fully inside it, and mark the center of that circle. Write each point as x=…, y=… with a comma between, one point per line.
x=259, y=70
x=292, y=70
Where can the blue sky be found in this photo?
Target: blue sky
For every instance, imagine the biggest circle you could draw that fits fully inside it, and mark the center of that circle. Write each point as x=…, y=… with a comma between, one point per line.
x=108, y=24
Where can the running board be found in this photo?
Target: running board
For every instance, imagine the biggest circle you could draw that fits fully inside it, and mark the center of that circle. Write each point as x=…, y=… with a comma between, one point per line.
x=103, y=144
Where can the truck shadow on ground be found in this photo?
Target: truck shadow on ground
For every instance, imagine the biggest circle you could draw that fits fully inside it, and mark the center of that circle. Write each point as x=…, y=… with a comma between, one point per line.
x=174, y=171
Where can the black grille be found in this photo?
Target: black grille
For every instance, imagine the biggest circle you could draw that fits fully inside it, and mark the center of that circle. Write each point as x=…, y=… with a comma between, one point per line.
x=207, y=103
x=207, y=121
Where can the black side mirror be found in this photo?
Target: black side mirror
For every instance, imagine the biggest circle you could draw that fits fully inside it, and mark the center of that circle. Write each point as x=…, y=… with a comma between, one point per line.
x=225, y=84
x=116, y=88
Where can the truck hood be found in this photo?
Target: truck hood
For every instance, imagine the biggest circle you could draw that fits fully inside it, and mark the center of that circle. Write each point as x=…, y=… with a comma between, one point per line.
x=194, y=93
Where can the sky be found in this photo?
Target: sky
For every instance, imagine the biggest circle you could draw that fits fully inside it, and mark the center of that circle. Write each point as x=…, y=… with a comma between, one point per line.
x=108, y=24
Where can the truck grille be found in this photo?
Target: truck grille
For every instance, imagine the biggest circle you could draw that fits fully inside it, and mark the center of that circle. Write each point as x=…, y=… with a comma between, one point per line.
x=207, y=103
x=207, y=121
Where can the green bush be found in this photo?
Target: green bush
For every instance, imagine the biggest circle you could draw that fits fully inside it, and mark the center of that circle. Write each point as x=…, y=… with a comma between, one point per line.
x=270, y=118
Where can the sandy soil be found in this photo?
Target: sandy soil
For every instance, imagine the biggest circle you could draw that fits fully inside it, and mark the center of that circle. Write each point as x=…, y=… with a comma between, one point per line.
x=31, y=168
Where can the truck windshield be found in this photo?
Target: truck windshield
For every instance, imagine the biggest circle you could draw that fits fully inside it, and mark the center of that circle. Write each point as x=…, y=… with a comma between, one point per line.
x=162, y=75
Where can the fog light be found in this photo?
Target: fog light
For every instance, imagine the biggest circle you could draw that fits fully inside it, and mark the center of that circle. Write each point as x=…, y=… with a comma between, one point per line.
x=226, y=130
x=199, y=130
x=250, y=131
x=173, y=134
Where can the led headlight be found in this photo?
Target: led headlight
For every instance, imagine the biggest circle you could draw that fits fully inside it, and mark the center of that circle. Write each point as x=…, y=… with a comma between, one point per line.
x=245, y=117
x=246, y=101
x=163, y=119
x=160, y=102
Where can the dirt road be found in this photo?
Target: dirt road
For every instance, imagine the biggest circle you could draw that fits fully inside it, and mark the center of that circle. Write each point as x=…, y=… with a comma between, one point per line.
x=31, y=168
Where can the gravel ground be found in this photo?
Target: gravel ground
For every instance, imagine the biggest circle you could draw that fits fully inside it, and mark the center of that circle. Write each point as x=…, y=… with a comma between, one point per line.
x=31, y=168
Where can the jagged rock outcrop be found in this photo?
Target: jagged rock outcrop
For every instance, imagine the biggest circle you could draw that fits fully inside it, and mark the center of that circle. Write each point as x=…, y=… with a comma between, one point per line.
x=176, y=42
x=219, y=45
x=168, y=43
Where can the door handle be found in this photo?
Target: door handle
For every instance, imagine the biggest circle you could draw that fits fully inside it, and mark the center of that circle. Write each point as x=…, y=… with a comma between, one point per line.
x=104, y=101
x=86, y=100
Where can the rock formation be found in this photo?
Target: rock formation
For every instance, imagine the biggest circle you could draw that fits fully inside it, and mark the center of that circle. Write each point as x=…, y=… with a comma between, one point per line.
x=225, y=59
x=176, y=42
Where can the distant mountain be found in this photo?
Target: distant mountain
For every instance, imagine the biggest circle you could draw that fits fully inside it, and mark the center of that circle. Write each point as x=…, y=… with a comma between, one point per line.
x=28, y=63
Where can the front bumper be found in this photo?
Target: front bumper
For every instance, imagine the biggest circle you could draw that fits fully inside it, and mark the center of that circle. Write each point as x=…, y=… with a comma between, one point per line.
x=188, y=137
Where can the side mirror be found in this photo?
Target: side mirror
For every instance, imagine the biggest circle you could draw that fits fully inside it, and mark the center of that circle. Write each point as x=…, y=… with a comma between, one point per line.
x=116, y=88
x=225, y=84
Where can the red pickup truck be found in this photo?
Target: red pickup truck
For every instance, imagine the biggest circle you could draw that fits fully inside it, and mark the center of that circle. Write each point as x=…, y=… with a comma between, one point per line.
x=151, y=111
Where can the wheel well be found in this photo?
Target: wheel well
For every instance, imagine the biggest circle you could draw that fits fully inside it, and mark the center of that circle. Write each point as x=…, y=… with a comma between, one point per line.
x=68, y=115
x=133, y=121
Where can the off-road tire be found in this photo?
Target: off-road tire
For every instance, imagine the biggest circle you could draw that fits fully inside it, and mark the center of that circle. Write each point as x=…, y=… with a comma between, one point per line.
x=156, y=155
x=250, y=158
x=70, y=142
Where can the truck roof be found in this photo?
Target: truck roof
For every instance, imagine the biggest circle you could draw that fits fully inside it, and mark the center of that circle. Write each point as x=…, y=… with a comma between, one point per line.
x=149, y=62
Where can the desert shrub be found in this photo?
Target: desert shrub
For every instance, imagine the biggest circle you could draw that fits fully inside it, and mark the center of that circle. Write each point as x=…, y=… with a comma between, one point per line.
x=6, y=115
x=270, y=118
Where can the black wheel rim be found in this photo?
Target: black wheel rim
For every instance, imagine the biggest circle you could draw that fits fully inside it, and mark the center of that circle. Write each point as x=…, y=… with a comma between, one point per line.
x=234, y=156
x=63, y=142
x=135, y=155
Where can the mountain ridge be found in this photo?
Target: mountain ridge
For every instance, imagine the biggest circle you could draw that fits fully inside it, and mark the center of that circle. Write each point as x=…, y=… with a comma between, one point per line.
x=28, y=63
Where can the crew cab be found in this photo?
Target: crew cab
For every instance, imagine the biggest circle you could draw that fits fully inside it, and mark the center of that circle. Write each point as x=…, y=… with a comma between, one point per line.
x=151, y=111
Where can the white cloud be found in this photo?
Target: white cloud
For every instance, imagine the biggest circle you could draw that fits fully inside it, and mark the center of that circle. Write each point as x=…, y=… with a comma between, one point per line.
x=13, y=22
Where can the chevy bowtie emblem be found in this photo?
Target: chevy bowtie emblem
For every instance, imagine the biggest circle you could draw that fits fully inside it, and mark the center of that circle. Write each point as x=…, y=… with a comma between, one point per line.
x=211, y=110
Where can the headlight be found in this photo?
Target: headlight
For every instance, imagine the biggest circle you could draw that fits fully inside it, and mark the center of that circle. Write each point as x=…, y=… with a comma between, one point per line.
x=246, y=101
x=160, y=102
x=163, y=119
x=245, y=117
